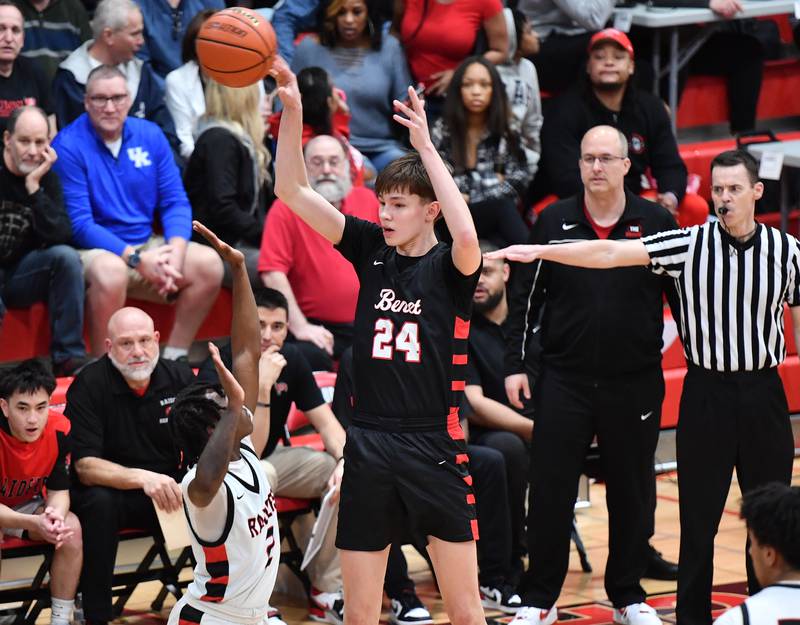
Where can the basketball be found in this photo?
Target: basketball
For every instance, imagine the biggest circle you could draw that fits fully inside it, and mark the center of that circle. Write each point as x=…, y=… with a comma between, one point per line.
x=236, y=47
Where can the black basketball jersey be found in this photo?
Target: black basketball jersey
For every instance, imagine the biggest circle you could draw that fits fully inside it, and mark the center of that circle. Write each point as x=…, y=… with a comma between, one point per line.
x=411, y=330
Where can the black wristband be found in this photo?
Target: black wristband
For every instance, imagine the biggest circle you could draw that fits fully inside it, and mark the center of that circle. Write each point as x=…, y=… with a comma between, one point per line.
x=261, y=404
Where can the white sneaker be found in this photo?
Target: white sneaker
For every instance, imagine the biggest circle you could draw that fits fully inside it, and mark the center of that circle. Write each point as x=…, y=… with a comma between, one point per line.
x=326, y=607
x=535, y=616
x=636, y=614
x=503, y=598
x=274, y=616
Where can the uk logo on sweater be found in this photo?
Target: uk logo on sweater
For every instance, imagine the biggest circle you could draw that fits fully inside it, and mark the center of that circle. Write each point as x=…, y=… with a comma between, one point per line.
x=139, y=157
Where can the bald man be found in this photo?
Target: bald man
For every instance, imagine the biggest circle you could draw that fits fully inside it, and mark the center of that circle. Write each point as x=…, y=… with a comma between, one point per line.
x=319, y=284
x=122, y=449
x=600, y=377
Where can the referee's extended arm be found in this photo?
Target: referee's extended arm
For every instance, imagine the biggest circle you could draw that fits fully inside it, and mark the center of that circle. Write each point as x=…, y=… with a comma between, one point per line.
x=604, y=254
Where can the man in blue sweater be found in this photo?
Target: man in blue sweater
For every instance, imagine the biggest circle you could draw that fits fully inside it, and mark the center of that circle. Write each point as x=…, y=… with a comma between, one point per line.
x=118, y=172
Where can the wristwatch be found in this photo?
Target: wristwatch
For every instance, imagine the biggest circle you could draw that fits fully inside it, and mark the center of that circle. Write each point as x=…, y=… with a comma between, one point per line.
x=134, y=259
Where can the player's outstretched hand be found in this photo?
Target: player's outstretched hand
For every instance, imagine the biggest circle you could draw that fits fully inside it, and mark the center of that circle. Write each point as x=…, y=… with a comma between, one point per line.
x=230, y=254
x=415, y=119
x=288, y=91
x=518, y=253
x=233, y=390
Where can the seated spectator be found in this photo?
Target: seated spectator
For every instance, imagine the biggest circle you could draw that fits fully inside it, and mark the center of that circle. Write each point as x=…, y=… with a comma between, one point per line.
x=325, y=112
x=772, y=515
x=53, y=29
x=118, y=34
x=608, y=97
x=368, y=66
x=117, y=173
x=184, y=88
x=522, y=85
x=292, y=18
x=564, y=28
x=165, y=25
x=493, y=422
x=34, y=451
x=438, y=36
x=227, y=178
x=320, y=285
x=490, y=166
x=36, y=264
x=285, y=378
x=123, y=451
x=22, y=82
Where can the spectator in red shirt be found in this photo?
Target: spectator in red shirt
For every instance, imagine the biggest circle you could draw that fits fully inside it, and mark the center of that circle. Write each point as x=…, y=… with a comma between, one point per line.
x=319, y=284
x=439, y=34
x=34, y=452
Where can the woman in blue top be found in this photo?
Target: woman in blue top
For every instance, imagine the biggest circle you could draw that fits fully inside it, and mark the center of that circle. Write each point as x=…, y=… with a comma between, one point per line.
x=368, y=65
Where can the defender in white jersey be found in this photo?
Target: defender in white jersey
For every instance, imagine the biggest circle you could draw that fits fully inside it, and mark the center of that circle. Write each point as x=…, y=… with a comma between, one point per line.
x=227, y=499
x=772, y=514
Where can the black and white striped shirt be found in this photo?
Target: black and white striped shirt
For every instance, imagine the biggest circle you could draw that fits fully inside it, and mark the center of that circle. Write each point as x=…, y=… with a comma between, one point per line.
x=731, y=294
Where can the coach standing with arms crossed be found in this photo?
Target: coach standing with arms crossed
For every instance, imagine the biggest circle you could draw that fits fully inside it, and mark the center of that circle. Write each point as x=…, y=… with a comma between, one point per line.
x=601, y=375
x=734, y=277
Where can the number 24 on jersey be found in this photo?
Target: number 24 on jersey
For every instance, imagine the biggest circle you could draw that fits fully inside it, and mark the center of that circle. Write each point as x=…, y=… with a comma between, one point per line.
x=386, y=342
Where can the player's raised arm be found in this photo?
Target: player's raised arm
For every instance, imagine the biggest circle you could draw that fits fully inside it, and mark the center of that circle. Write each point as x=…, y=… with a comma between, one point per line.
x=245, y=334
x=590, y=254
x=466, y=249
x=291, y=181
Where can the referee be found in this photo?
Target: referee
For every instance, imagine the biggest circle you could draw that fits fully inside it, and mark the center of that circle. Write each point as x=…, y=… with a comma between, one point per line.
x=733, y=277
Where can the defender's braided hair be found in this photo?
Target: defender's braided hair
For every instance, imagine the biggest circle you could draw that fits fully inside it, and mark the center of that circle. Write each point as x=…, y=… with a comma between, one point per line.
x=193, y=414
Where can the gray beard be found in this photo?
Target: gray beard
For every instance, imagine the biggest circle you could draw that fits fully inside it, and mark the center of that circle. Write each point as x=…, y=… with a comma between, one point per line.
x=136, y=375
x=333, y=191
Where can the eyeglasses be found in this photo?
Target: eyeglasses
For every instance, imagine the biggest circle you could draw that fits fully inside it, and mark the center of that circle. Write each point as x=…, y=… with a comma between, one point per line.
x=100, y=101
x=318, y=162
x=605, y=159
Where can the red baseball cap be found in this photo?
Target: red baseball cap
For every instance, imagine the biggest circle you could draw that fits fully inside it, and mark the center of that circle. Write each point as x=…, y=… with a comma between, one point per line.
x=612, y=34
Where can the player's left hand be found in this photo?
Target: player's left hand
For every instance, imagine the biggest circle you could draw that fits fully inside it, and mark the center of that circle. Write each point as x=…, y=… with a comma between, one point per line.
x=415, y=119
x=335, y=481
x=233, y=390
x=518, y=253
x=230, y=254
x=288, y=91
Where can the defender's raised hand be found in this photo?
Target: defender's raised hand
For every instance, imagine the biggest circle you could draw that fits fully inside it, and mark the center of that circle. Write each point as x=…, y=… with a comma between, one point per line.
x=228, y=253
x=288, y=91
x=415, y=119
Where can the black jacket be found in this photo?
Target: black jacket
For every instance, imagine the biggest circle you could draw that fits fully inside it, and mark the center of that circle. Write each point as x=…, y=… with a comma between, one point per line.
x=220, y=183
x=594, y=322
x=644, y=121
x=29, y=222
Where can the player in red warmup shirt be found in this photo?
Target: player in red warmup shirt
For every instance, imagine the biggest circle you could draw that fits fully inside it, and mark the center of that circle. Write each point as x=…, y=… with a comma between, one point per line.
x=34, y=478
x=405, y=457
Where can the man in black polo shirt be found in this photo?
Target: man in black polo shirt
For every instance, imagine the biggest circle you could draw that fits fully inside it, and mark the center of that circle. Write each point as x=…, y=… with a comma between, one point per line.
x=122, y=448
x=285, y=377
x=493, y=423
x=601, y=376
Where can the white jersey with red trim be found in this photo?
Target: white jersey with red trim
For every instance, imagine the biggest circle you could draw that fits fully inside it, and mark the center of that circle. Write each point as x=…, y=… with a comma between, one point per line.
x=778, y=604
x=235, y=574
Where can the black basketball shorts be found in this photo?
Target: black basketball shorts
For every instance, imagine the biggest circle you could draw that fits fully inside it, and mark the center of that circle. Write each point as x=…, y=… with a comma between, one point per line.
x=399, y=485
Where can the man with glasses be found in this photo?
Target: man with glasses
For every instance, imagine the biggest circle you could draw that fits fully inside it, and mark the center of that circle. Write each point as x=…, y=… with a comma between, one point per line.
x=133, y=178
x=600, y=377
x=320, y=285
x=118, y=35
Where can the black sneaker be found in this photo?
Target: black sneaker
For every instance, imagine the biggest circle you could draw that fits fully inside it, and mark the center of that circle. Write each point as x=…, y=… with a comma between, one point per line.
x=658, y=567
x=407, y=609
x=503, y=598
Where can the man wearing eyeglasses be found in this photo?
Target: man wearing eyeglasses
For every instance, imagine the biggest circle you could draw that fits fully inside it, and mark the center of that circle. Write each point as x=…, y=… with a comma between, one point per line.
x=319, y=284
x=118, y=173
x=600, y=376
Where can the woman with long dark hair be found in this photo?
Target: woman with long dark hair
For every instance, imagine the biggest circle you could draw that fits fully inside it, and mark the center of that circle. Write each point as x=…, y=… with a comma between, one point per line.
x=367, y=65
x=490, y=166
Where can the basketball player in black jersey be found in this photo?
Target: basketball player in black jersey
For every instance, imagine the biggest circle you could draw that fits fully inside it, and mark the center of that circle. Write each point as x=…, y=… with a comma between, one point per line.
x=405, y=458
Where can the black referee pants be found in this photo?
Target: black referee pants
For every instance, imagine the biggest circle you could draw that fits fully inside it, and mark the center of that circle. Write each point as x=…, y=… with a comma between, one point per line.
x=624, y=413
x=727, y=421
x=103, y=512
